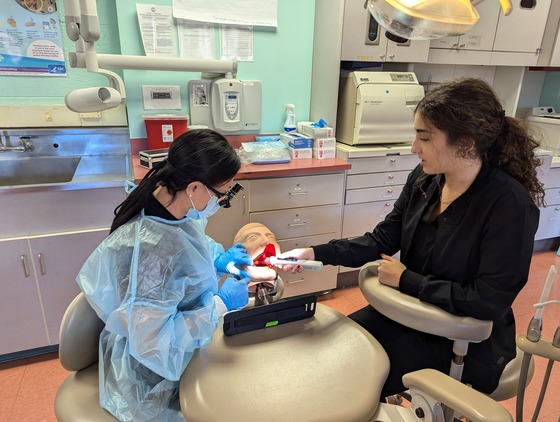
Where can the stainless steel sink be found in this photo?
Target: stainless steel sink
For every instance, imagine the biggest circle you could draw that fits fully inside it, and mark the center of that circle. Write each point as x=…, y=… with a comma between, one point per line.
x=37, y=170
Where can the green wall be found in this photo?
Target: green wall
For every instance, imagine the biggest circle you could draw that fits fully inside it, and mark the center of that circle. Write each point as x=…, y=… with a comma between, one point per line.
x=282, y=62
x=47, y=90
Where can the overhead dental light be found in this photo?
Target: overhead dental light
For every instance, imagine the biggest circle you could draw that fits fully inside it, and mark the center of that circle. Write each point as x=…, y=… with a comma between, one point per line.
x=426, y=19
x=82, y=27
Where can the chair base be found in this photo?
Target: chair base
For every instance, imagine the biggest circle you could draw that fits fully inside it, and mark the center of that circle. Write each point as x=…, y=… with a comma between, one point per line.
x=77, y=399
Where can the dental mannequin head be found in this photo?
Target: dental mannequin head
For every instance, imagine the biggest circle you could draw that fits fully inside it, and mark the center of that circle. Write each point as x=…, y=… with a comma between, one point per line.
x=254, y=237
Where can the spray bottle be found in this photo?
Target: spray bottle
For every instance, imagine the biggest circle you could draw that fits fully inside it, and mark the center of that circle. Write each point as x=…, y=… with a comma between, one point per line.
x=290, y=124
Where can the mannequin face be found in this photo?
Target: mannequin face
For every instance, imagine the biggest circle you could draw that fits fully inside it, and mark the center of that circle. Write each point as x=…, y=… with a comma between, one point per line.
x=254, y=237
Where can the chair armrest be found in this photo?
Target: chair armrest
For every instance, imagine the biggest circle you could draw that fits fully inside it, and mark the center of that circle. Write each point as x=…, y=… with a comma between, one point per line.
x=468, y=402
x=414, y=313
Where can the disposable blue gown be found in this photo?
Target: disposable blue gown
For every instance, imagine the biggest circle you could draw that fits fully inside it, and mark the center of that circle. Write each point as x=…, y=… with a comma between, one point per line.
x=152, y=282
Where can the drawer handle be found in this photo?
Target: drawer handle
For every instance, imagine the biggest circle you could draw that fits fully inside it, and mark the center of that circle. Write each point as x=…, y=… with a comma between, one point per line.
x=393, y=160
x=297, y=224
x=297, y=193
x=390, y=176
x=387, y=204
x=42, y=263
x=299, y=280
x=25, y=268
x=389, y=190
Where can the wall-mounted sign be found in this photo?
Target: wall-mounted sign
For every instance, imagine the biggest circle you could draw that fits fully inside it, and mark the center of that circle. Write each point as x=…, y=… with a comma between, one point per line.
x=30, y=38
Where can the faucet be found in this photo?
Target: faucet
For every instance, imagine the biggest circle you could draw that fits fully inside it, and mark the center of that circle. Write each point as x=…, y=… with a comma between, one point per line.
x=24, y=145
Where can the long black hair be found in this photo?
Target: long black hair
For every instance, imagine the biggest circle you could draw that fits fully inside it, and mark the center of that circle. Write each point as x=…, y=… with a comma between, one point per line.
x=197, y=155
x=469, y=112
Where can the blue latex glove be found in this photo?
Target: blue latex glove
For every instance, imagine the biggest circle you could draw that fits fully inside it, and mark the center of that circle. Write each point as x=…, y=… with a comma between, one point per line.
x=230, y=260
x=234, y=293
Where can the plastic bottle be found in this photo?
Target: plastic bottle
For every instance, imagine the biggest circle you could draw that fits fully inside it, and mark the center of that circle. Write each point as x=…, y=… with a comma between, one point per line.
x=290, y=124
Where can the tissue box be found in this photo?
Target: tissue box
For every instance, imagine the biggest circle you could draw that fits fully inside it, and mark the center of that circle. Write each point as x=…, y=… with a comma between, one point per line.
x=296, y=140
x=316, y=132
x=297, y=153
x=324, y=143
x=322, y=153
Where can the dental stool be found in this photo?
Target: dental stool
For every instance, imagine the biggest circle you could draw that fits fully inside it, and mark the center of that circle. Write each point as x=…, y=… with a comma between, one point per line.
x=428, y=318
x=77, y=399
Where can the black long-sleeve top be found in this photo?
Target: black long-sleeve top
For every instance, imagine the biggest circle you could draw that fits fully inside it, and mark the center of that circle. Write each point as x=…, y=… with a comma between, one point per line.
x=473, y=259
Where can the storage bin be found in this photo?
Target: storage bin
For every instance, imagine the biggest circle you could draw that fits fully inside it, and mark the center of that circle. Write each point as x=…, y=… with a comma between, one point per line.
x=161, y=129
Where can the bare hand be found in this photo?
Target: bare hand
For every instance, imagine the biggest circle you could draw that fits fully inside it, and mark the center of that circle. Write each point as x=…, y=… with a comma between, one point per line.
x=300, y=253
x=390, y=271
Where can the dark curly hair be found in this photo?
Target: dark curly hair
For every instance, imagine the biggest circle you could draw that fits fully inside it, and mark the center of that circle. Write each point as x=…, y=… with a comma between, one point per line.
x=469, y=112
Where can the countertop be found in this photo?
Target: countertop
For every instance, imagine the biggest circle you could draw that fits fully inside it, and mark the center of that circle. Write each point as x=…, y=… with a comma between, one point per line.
x=260, y=171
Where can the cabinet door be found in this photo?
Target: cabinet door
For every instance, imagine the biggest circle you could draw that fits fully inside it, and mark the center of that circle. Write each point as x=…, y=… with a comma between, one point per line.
x=549, y=223
x=223, y=225
x=481, y=36
x=363, y=39
x=362, y=218
x=58, y=260
x=410, y=51
x=22, y=325
x=522, y=31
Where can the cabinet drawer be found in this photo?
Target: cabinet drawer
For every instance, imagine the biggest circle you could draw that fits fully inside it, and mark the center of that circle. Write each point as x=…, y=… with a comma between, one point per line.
x=553, y=178
x=358, y=181
x=380, y=164
x=362, y=218
x=308, y=281
x=295, y=192
x=552, y=196
x=549, y=223
x=291, y=223
x=357, y=196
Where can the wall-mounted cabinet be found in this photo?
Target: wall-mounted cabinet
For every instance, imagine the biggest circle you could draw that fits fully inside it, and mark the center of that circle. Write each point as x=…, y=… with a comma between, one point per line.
x=475, y=47
x=363, y=39
x=513, y=40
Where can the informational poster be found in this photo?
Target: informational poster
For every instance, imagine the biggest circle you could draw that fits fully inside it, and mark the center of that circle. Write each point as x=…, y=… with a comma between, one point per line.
x=30, y=38
x=196, y=39
x=229, y=12
x=236, y=43
x=156, y=28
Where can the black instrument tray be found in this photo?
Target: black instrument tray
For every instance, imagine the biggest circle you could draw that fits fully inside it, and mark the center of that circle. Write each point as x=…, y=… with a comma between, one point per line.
x=288, y=310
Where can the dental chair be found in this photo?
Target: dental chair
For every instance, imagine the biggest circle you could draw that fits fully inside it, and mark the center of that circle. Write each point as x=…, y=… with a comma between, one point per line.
x=428, y=318
x=325, y=368
x=77, y=399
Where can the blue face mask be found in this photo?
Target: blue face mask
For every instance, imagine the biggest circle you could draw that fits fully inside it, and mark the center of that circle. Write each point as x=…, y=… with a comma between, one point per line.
x=209, y=210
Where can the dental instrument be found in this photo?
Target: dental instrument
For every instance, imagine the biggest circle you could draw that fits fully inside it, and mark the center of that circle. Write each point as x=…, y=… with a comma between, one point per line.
x=268, y=258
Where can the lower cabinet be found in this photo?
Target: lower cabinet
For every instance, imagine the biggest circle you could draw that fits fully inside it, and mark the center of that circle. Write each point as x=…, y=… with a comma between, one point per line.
x=37, y=285
x=549, y=221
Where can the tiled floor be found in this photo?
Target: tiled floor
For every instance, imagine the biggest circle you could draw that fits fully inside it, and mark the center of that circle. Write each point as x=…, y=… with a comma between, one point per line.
x=28, y=386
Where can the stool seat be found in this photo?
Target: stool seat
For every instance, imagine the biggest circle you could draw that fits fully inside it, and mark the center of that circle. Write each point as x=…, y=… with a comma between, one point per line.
x=324, y=368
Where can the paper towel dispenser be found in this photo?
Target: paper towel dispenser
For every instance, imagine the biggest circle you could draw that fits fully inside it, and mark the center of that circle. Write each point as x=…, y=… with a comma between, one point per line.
x=377, y=107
